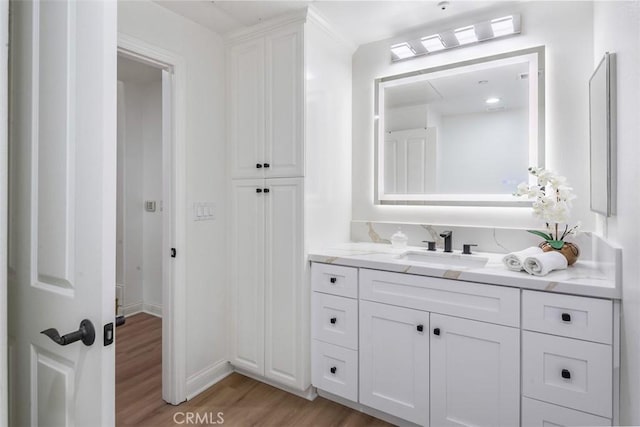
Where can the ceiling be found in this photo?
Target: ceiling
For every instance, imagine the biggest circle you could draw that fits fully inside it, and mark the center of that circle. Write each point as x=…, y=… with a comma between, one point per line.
x=466, y=93
x=360, y=22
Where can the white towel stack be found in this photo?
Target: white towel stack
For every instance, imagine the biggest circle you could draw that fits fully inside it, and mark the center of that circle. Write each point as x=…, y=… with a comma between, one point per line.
x=542, y=264
x=515, y=260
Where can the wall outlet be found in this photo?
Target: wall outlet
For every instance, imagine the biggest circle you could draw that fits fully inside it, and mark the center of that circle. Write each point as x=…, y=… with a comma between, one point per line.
x=150, y=205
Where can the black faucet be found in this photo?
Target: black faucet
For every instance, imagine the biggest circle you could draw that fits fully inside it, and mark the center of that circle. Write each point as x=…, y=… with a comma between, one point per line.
x=446, y=235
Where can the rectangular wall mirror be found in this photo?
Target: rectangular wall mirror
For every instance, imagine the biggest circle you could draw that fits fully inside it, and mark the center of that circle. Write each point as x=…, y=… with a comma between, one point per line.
x=462, y=133
x=602, y=132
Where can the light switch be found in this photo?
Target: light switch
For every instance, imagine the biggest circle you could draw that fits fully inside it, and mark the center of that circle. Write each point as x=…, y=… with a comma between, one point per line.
x=204, y=211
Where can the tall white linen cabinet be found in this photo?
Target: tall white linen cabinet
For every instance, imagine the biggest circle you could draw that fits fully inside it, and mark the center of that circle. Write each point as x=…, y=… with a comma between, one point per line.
x=289, y=164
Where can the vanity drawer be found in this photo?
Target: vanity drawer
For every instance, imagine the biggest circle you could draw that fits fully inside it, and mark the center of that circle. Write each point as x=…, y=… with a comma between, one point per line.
x=567, y=372
x=335, y=320
x=494, y=304
x=335, y=369
x=334, y=279
x=570, y=316
x=541, y=414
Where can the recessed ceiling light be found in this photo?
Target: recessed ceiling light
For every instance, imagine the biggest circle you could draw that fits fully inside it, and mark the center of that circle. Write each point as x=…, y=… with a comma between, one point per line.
x=492, y=100
x=466, y=35
x=403, y=50
x=432, y=43
x=502, y=26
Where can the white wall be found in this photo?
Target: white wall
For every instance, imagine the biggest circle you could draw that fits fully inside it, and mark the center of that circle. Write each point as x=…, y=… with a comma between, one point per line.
x=565, y=28
x=483, y=152
x=152, y=190
x=139, y=233
x=616, y=27
x=205, y=251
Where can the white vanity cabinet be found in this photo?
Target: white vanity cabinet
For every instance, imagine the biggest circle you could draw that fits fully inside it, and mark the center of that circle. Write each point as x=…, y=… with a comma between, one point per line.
x=266, y=117
x=394, y=360
x=475, y=373
x=444, y=352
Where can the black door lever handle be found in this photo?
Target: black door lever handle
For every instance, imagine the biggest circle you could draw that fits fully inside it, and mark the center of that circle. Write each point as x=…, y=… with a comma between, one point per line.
x=85, y=333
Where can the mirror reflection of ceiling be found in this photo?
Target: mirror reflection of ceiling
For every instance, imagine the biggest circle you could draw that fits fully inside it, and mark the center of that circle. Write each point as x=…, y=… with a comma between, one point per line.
x=466, y=93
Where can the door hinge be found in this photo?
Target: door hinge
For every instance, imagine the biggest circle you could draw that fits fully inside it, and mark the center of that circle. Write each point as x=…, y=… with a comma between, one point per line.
x=173, y=252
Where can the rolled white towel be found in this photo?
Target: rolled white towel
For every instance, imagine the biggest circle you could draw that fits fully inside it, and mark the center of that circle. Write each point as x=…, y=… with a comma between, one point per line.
x=542, y=264
x=514, y=260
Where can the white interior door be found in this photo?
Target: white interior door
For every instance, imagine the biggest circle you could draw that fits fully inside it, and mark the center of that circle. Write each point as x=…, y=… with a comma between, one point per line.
x=62, y=211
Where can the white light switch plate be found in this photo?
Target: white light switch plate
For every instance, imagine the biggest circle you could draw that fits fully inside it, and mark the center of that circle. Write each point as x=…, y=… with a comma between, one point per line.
x=204, y=211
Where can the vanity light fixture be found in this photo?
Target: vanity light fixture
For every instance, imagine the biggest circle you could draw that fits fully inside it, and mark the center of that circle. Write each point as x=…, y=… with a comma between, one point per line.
x=466, y=35
x=433, y=43
x=502, y=26
x=453, y=38
x=403, y=50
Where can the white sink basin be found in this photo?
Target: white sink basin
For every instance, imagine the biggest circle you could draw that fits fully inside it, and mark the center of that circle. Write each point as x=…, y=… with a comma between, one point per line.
x=443, y=259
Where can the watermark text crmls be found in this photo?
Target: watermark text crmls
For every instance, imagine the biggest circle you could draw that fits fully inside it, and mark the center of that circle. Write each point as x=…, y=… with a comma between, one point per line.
x=199, y=418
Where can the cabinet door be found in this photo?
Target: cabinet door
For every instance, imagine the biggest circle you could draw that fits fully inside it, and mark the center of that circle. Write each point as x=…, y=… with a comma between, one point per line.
x=285, y=294
x=284, y=144
x=247, y=275
x=394, y=360
x=475, y=373
x=246, y=114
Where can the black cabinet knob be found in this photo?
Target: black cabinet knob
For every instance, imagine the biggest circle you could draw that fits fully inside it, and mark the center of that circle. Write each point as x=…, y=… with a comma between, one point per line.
x=566, y=317
x=333, y=320
x=266, y=190
x=420, y=328
x=258, y=166
x=258, y=190
x=333, y=369
x=566, y=374
x=436, y=331
x=333, y=280
x=267, y=165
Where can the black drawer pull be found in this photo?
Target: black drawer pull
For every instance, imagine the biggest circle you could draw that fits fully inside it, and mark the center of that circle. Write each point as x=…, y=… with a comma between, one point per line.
x=436, y=331
x=266, y=165
x=258, y=190
x=333, y=369
x=258, y=166
x=566, y=317
x=266, y=190
x=566, y=374
x=420, y=328
x=333, y=320
x=333, y=280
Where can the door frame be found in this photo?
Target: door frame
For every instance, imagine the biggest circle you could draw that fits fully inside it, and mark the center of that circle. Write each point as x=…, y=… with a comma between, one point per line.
x=174, y=326
x=4, y=197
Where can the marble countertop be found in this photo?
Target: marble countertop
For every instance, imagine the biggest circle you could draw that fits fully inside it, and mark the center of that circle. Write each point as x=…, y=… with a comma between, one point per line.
x=583, y=278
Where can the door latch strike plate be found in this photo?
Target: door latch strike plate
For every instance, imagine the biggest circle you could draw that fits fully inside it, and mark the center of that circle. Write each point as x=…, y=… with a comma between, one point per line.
x=108, y=334
x=173, y=252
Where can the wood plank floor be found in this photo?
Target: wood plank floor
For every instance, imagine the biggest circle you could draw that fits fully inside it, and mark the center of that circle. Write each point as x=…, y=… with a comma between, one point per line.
x=241, y=400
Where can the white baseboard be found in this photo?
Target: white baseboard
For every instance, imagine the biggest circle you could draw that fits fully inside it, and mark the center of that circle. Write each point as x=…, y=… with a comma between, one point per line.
x=152, y=309
x=207, y=377
x=131, y=309
x=309, y=393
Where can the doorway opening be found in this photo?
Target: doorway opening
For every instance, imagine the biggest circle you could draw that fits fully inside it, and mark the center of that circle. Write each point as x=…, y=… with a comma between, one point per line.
x=146, y=356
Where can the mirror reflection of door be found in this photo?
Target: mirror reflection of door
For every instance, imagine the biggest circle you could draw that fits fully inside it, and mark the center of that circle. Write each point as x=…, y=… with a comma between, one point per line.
x=410, y=161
